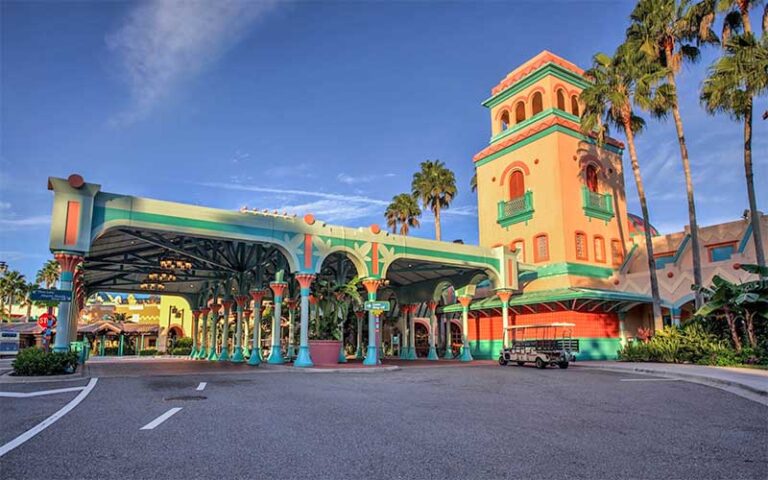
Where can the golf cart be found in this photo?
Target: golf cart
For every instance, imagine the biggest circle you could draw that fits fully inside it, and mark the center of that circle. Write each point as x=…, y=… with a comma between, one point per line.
x=543, y=344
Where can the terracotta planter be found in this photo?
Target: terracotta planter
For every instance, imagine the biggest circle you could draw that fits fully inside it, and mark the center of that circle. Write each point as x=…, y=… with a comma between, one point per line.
x=324, y=352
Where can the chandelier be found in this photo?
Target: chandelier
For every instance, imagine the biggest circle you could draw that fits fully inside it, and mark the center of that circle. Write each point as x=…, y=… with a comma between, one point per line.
x=170, y=263
x=157, y=277
x=151, y=286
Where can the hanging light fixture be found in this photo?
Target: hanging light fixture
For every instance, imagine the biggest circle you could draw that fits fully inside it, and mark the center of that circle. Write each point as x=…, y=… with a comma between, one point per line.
x=171, y=263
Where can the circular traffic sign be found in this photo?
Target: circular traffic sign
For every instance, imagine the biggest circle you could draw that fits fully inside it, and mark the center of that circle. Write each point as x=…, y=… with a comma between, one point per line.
x=46, y=320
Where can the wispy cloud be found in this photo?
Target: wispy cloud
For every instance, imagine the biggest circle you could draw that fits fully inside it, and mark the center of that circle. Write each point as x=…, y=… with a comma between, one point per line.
x=15, y=255
x=17, y=223
x=335, y=210
x=163, y=42
x=354, y=180
x=306, y=193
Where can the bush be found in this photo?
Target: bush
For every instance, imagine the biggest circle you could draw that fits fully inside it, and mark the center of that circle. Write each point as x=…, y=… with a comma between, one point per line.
x=184, y=342
x=148, y=352
x=34, y=362
x=181, y=351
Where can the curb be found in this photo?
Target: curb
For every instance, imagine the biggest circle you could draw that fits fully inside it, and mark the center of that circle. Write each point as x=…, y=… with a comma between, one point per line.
x=7, y=378
x=390, y=368
x=684, y=376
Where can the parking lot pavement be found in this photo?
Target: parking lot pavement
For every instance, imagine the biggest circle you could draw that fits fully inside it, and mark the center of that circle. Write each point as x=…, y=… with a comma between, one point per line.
x=461, y=422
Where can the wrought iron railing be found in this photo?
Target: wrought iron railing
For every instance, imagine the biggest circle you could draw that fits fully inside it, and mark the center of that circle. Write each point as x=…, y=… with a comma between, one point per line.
x=597, y=205
x=519, y=209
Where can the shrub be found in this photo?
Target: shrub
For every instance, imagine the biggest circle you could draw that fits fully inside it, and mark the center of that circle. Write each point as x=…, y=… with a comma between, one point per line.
x=184, y=342
x=689, y=344
x=181, y=351
x=148, y=352
x=34, y=362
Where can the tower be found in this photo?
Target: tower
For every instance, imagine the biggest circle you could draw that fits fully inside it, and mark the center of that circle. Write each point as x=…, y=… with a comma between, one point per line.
x=544, y=188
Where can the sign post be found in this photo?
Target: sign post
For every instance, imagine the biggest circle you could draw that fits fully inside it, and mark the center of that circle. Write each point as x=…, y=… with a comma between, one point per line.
x=46, y=321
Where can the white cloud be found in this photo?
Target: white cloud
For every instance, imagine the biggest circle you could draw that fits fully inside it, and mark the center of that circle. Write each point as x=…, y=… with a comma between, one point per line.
x=5, y=206
x=308, y=193
x=354, y=180
x=162, y=42
x=335, y=210
x=14, y=223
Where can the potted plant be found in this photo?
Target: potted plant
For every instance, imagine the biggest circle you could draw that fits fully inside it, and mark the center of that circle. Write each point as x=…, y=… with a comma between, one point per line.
x=334, y=304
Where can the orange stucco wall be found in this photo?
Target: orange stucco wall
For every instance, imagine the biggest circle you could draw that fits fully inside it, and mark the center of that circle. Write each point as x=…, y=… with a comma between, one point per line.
x=588, y=325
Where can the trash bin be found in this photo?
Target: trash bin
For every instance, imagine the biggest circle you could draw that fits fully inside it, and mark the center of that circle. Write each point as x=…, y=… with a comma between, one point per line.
x=80, y=348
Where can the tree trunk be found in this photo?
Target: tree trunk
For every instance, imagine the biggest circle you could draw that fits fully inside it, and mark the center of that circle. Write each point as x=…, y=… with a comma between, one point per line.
x=729, y=317
x=692, y=223
x=437, y=223
x=657, y=318
x=749, y=318
x=29, y=311
x=754, y=215
x=10, y=308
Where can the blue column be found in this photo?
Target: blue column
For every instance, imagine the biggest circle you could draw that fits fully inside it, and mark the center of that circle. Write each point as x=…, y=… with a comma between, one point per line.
x=448, y=355
x=359, y=347
x=255, y=358
x=212, y=354
x=68, y=264
x=195, y=318
x=203, y=351
x=224, y=356
x=372, y=357
x=276, y=353
x=304, y=359
x=466, y=355
x=432, y=326
x=411, y=333
x=238, y=356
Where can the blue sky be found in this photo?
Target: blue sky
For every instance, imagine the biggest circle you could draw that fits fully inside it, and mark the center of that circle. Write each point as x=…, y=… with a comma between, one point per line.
x=325, y=107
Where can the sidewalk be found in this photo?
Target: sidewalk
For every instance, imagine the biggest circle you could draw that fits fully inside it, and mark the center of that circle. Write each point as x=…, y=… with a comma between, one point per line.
x=754, y=382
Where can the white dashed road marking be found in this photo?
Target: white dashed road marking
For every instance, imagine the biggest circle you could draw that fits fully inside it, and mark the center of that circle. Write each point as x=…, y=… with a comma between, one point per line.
x=50, y=420
x=154, y=423
x=201, y=387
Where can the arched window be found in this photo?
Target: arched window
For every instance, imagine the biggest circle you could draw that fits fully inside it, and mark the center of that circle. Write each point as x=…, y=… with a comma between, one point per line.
x=581, y=246
x=590, y=178
x=561, y=100
x=541, y=248
x=519, y=247
x=617, y=254
x=537, y=103
x=599, y=249
x=516, y=184
x=575, y=105
x=519, y=112
x=504, y=120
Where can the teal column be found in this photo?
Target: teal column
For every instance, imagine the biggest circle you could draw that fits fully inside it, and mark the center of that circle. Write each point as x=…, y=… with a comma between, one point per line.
x=212, y=354
x=246, y=330
x=432, y=326
x=238, y=357
x=257, y=296
x=466, y=355
x=141, y=344
x=504, y=297
x=372, y=357
x=202, y=353
x=342, y=352
x=195, y=317
x=448, y=355
x=102, y=347
x=675, y=316
x=120, y=346
x=276, y=353
x=68, y=263
x=359, y=347
x=304, y=358
x=224, y=356
x=291, y=304
x=412, y=332
x=403, y=350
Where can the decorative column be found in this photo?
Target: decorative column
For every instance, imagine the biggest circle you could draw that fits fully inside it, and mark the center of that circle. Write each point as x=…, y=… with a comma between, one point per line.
x=121, y=345
x=448, y=355
x=622, y=329
x=359, y=350
x=675, y=316
x=214, y=327
x=504, y=297
x=403, y=350
x=258, y=297
x=290, y=303
x=202, y=353
x=465, y=355
x=195, y=317
x=276, y=353
x=304, y=359
x=432, y=305
x=412, y=332
x=68, y=263
x=242, y=302
x=227, y=304
x=246, y=317
x=372, y=358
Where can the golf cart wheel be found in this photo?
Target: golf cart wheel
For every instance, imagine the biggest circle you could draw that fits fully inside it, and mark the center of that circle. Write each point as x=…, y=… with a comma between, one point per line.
x=521, y=363
x=540, y=363
x=502, y=362
x=563, y=365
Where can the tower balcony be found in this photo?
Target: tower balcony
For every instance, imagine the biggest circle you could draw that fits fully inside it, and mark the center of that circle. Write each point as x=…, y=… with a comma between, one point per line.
x=597, y=205
x=516, y=210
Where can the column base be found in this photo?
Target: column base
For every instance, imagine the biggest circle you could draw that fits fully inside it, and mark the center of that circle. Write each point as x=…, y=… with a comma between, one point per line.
x=212, y=356
x=465, y=355
x=246, y=352
x=448, y=355
x=432, y=353
x=304, y=359
x=275, y=356
x=372, y=358
x=237, y=357
x=359, y=353
x=411, y=354
x=224, y=355
x=291, y=352
x=201, y=354
x=342, y=354
x=255, y=358
x=192, y=354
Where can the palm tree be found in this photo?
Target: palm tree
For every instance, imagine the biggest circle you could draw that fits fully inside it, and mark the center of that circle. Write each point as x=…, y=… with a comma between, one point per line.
x=737, y=16
x=608, y=100
x=404, y=211
x=28, y=302
x=669, y=32
x=730, y=87
x=435, y=186
x=12, y=287
x=49, y=274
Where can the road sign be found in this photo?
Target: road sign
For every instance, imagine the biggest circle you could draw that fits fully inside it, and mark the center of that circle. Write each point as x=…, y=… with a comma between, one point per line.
x=46, y=321
x=50, y=295
x=380, y=305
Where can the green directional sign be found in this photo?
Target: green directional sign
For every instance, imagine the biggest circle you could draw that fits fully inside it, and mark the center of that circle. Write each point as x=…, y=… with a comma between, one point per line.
x=380, y=305
x=50, y=295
